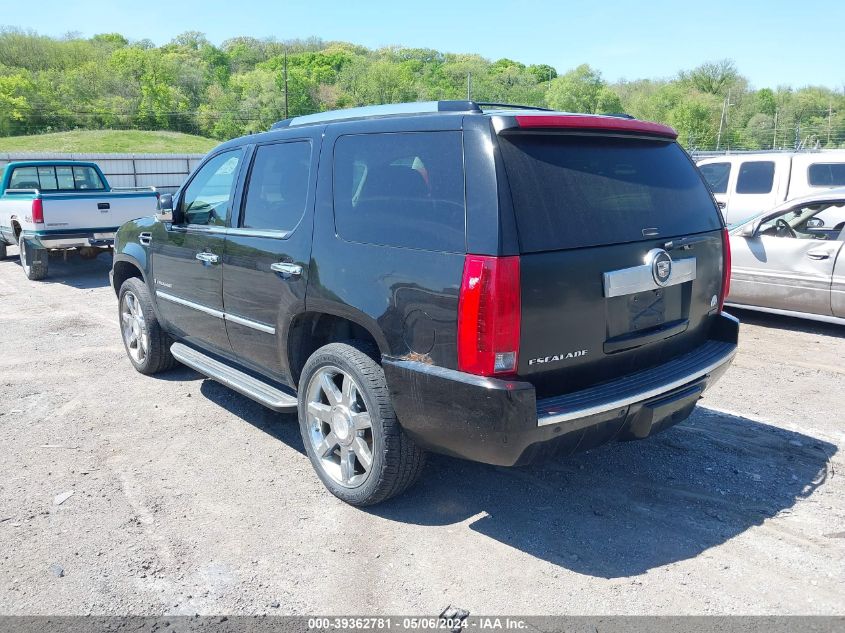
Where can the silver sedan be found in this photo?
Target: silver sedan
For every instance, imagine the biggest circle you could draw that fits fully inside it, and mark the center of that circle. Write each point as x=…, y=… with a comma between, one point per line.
x=791, y=260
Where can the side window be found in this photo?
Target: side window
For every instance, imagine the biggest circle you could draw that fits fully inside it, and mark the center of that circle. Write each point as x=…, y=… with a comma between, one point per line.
x=716, y=175
x=826, y=175
x=278, y=186
x=756, y=177
x=403, y=189
x=206, y=199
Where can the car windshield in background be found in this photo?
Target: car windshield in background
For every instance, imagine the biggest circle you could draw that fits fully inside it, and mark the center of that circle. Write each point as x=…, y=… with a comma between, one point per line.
x=57, y=178
x=576, y=191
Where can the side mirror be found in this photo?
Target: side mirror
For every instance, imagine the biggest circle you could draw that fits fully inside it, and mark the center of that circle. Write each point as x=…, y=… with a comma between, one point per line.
x=168, y=210
x=815, y=223
x=749, y=230
x=165, y=208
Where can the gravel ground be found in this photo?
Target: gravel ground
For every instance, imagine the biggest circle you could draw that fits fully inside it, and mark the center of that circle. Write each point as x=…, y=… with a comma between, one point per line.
x=188, y=498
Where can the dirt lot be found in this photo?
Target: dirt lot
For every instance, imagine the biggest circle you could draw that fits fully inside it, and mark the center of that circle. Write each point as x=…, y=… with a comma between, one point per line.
x=188, y=498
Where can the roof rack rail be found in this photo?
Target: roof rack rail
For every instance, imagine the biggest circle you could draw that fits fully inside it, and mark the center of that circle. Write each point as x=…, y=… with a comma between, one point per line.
x=420, y=107
x=510, y=106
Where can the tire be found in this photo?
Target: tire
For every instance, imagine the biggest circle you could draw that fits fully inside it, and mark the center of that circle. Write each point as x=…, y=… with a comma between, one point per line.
x=147, y=344
x=3, y=252
x=396, y=462
x=39, y=257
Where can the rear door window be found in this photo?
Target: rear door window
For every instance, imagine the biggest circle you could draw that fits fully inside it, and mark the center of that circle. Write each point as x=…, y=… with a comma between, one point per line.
x=278, y=186
x=826, y=174
x=756, y=177
x=400, y=189
x=573, y=191
x=717, y=175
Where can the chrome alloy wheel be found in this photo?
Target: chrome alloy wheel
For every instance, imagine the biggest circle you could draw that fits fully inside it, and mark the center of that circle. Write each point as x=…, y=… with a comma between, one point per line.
x=339, y=427
x=132, y=326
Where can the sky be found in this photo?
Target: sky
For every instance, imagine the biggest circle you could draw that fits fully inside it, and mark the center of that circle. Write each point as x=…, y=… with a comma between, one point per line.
x=773, y=43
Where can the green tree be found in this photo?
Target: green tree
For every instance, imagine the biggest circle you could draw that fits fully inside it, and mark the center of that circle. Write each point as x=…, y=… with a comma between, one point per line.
x=583, y=90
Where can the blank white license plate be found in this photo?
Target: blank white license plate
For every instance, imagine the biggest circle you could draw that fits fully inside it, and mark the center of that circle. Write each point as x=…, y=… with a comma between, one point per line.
x=103, y=236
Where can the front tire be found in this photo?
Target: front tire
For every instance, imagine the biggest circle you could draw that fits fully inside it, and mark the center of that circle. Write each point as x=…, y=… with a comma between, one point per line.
x=36, y=268
x=147, y=344
x=349, y=428
x=3, y=252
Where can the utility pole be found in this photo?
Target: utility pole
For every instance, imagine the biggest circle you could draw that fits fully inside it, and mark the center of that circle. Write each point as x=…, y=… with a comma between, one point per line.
x=286, y=81
x=469, y=86
x=550, y=78
x=829, y=121
x=775, y=135
x=722, y=120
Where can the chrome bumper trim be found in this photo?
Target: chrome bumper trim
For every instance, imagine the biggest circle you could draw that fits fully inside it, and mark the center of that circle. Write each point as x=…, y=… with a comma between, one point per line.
x=638, y=396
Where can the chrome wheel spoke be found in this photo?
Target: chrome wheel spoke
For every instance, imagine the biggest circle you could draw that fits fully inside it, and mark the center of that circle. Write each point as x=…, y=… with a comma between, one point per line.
x=362, y=421
x=330, y=389
x=363, y=453
x=322, y=412
x=350, y=392
x=327, y=446
x=347, y=464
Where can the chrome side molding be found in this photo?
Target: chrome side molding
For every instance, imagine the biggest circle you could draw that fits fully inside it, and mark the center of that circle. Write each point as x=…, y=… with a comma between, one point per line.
x=234, y=318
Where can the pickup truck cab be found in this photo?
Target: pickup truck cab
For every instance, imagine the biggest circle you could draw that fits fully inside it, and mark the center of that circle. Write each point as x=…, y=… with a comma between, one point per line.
x=746, y=185
x=497, y=285
x=58, y=205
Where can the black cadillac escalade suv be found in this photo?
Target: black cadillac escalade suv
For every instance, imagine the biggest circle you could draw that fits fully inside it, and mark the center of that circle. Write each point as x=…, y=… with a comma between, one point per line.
x=494, y=284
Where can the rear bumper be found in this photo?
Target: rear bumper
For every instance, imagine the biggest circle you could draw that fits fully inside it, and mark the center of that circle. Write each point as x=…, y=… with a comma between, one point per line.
x=501, y=422
x=71, y=239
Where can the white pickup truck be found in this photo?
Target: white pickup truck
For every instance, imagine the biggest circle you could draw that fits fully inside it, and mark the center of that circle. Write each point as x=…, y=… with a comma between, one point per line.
x=748, y=184
x=59, y=205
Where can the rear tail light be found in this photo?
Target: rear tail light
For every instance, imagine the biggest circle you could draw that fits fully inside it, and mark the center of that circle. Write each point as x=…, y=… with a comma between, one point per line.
x=37, y=211
x=489, y=311
x=726, y=268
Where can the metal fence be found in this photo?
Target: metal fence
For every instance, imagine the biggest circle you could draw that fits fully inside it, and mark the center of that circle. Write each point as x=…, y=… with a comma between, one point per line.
x=162, y=171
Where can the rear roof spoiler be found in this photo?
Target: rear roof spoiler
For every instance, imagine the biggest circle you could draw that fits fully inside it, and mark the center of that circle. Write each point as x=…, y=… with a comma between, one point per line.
x=593, y=122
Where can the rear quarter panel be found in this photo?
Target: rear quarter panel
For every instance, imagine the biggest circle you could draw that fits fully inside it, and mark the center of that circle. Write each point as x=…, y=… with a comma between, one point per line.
x=406, y=298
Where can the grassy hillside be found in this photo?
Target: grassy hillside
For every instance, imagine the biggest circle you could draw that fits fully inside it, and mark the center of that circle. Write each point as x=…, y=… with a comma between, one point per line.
x=109, y=141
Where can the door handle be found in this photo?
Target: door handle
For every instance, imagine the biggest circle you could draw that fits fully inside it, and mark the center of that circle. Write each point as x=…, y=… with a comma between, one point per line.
x=103, y=206
x=207, y=258
x=145, y=238
x=287, y=269
x=818, y=254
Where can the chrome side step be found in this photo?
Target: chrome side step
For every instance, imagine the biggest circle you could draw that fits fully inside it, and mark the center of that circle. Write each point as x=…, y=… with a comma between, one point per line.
x=245, y=384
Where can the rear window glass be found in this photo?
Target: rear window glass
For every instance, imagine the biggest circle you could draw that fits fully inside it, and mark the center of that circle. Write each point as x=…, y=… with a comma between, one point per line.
x=52, y=178
x=827, y=174
x=716, y=175
x=575, y=191
x=403, y=189
x=755, y=177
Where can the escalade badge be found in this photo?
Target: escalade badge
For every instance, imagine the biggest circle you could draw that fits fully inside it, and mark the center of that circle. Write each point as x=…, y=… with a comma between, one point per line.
x=661, y=265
